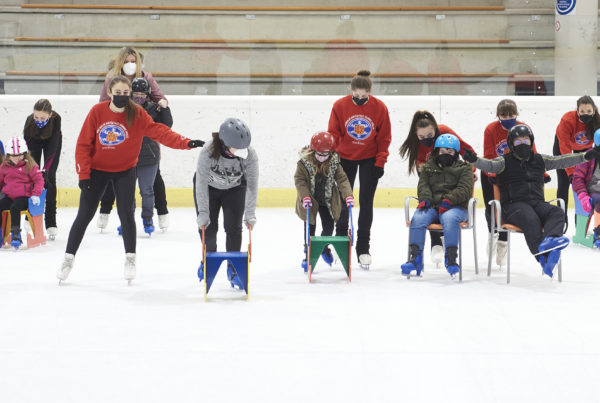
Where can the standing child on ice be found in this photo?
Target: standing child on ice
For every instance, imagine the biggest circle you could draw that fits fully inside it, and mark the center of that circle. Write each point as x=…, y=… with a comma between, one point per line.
x=20, y=179
x=586, y=183
x=520, y=177
x=227, y=178
x=445, y=187
x=320, y=179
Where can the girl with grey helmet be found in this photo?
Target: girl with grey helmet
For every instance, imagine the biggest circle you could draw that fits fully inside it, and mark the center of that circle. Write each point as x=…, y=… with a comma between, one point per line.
x=226, y=178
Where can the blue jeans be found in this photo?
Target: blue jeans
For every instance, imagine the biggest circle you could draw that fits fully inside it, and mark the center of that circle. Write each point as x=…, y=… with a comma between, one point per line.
x=145, y=176
x=450, y=221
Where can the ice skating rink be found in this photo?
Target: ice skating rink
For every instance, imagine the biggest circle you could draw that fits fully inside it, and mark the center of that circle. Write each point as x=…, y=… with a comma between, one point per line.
x=381, y=338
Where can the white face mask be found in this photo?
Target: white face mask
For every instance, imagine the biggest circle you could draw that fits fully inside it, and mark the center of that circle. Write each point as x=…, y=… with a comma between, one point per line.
x=129, y=68
x=242, y=153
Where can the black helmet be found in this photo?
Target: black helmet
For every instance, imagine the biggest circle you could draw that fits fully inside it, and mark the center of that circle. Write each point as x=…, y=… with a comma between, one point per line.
x=518, y=131
x=140, y=84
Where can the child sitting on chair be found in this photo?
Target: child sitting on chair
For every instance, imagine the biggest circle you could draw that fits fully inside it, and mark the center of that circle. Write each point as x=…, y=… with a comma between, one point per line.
x=520, y=177
x=20, y=179
x=445, y=187
x=319, y=181
x=586, y=183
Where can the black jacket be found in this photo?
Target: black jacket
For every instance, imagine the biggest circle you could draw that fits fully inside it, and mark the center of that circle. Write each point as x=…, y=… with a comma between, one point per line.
x=150, y=151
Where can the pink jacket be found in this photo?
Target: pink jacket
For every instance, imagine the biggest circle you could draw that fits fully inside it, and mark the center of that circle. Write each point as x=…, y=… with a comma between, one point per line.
x=14, y=182
x=582, y=176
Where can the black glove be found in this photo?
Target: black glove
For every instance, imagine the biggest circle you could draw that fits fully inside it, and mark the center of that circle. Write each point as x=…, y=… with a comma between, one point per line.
x=378, y=172
x=547, y=178
x=195, y=143
x=593, y=153
x=469, y=156
x=85, y=184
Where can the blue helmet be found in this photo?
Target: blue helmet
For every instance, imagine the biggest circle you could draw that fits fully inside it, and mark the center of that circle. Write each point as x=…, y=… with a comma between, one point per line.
x=597, y=138
x=447, y=141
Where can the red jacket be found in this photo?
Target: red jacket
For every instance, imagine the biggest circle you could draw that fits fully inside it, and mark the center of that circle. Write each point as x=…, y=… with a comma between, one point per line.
x=106, y=143
x=361, y=132
x=494, y=142
x=15, y=182
x=424, y=152
x=571, y=136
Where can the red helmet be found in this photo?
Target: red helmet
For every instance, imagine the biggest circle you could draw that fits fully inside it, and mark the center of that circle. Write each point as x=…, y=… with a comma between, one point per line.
x=322, y=142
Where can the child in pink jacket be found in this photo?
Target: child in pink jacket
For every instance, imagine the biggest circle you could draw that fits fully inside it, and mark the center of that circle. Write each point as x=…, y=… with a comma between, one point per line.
x=20, y=179
x=586, y=183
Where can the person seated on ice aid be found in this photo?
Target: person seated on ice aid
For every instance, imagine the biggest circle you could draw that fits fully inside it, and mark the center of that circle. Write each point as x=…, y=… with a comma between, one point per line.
x=586, y=183
x=320, y=179
x=520, y=177
x=20, y=179
x=226, y=178
x=445, y=187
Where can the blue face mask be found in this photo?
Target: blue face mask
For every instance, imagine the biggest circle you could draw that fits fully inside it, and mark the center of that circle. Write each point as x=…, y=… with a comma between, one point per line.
x=41, y=124
x=508, y=123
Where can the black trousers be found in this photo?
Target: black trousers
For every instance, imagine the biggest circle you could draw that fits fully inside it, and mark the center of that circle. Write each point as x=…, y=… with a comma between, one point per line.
x=368, y=186
x=536, y=218
x=51, y=149
x=15, y=206
x=160, y=197
x=488, y=195
x=326, y=222
x=124, y=187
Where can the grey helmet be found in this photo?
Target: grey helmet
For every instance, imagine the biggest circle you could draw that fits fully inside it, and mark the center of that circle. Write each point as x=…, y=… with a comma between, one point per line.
x=234, y=133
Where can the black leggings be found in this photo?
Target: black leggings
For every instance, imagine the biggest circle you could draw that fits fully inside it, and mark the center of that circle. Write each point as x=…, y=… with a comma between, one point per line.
x=326, y=222
x=15, y=206
x=233, y=202
x=368, y=186
x=51, y=149
x=123, y=184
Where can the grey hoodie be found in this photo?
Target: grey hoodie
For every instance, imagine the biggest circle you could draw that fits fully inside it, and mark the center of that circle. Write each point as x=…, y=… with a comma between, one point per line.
x=223, y=174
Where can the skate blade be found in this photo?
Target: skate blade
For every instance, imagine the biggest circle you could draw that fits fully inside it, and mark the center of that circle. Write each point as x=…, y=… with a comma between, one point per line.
x=364, y=266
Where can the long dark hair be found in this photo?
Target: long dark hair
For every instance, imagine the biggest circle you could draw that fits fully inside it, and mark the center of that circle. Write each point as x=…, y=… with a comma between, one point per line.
x=411, y=144
x=131, y=109
x=215, y=152
x=595, y=123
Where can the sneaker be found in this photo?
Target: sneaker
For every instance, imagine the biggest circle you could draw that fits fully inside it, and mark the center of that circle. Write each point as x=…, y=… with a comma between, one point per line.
x=52, y=233
x=129, y=272
x=437, y=254
x=364, y=261
x=102, y=221
x=66, y=267
x=327, y=256
x=148, y=225
x=233, y=277
x=163, y=221
x=501, y=249
x=201, y=272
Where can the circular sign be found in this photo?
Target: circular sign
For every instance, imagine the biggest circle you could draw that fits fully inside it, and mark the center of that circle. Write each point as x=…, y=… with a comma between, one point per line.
x=564, y=7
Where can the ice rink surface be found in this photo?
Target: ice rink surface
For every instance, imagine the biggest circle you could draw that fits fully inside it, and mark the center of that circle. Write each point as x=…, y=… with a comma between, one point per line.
x=380, y=338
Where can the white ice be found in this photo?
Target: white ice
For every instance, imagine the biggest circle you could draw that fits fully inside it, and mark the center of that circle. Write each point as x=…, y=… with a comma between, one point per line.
x=380, y=338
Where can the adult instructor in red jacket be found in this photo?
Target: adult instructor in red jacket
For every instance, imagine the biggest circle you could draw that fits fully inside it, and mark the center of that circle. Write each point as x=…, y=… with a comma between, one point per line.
x=106, y=153
x=361, y=126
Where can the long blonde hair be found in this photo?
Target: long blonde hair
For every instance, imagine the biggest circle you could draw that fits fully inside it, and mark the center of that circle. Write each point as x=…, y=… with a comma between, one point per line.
x=116, y=65
x=321, y=167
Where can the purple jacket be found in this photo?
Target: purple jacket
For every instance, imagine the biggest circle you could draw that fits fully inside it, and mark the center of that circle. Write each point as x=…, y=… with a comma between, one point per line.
x=15, y=182
x=582, y=176
x=155, y=92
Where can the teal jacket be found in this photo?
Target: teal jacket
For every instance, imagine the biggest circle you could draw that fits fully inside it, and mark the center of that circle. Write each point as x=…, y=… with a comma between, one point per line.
x=454, y=183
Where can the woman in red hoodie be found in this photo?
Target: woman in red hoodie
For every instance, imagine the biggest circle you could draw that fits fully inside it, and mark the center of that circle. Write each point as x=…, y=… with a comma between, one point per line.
x=106, y=153
x=360, y=123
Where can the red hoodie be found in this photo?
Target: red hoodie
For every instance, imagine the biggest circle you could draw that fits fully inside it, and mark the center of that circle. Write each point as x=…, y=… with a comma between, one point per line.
x=361, y=132
x=571, y=136
x=424, y=152
x=105, y=142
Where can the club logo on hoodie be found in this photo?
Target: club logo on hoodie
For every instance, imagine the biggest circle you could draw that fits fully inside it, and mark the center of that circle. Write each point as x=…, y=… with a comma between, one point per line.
x=502, y=148
x=111, y=133
x=581, y=139
x=359, y=127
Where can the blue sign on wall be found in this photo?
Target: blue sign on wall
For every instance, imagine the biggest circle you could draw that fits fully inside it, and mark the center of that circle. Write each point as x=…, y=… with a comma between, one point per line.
x=564, y=7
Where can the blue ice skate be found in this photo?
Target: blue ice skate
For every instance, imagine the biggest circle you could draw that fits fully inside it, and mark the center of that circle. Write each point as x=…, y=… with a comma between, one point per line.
x=233, y=277
x=451, y=266
x=552, y=243
x=148, y=225
x=327, y=256
x=549, y=253
x=15, y=235
x=415, y=262
x=597, y=237
x=119, y=231
x=201, y=272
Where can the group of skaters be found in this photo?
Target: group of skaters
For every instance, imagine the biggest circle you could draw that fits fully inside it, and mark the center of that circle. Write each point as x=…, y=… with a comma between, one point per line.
x=118, y=145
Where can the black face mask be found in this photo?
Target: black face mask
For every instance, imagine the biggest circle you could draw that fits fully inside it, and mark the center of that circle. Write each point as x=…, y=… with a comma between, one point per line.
x=120, y=101
x=445, y=160
x=523, y=151
x=427, y=141
x=361, y=101
x=585, y=119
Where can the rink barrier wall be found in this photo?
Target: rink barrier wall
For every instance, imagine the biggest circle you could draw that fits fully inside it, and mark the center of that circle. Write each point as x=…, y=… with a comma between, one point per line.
x=281, y=198
x=281, y=126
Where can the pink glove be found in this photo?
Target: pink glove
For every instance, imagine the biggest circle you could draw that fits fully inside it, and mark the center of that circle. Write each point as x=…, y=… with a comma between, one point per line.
x=586, y=201
x=306, y=202
x=349, y=201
